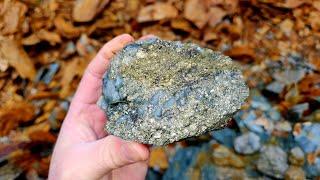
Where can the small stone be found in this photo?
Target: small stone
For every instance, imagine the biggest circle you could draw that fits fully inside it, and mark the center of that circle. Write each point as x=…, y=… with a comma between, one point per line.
x=313, y=170
x=248, y=143
x=296, y=156
x=225, y=136
x=309, y=137
x=182, y=162
x=272, y=161
x=225, y=173
x=223, y=156
x=275, y=87
x=295, y=173
x=283, y=126
x=208, y=171
x=158, y=92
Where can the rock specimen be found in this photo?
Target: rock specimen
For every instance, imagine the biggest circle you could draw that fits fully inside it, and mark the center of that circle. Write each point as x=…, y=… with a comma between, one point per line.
x=157, y=92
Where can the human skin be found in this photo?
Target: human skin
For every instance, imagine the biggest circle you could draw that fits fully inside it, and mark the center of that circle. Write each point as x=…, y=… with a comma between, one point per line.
x=83, y=149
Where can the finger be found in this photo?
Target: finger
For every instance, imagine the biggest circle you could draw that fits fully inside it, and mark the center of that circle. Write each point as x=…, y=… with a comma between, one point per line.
x=148, y=37
x=112, y=153
x=89, y=88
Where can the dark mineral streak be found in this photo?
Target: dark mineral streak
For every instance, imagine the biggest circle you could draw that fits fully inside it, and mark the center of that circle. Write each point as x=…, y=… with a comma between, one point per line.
x=157, y=92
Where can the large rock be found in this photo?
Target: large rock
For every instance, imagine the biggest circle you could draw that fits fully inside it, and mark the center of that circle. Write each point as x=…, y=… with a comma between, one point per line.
x=158, y=92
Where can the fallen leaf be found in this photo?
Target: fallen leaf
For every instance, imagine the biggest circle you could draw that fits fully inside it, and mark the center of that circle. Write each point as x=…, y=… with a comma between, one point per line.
x=162, y=32
x=66, y=28
x=70, y=70
x=12, y=16
x=309, y=85
x=157, y=11
x=313, y=19
x=4, y=64
x=158, y=158
x=241, y=51
x=181, y=24
x=42, y=136
x=293, y=3
x=210, y=35
x=13, y=113
x=85, y=10
x=286, y=26
x=52, y=37
x=215, y=15
x=30, y=40
x=15, y=55
x=316, y=4
x=196, y=12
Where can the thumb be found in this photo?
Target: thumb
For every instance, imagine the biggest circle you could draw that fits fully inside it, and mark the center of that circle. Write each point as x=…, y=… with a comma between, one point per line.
x=112, y=152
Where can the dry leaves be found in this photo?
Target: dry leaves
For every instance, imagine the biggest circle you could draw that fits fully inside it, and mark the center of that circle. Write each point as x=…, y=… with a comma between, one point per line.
x=157, y=11
x=196, y=12
x=85, y=10
x=12, y=52
x=12, y=113
x=12, y=15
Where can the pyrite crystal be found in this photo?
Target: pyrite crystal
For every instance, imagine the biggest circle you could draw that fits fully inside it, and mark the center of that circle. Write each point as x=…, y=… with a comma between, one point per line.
x=157, y=92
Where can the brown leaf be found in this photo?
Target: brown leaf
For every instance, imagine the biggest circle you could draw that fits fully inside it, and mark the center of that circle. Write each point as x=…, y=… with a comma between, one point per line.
x=13, y=113
x=43, y=35
x=71, y=69
x=293, y=3
x=162, y=32
x=15, y=55
x=52, y=37
x=43, y=95
x=157, y=11
x=30, y=40
x=313, y=19
x=181, y=24
x=286, y=26
x=316, y=4
x=241, y=51
x=309, y=85
x=85, y=10
x=158, y=158
x=196, y=12
x=42, y=136
x=215, y=15
x=12, y=14
x=66, y=28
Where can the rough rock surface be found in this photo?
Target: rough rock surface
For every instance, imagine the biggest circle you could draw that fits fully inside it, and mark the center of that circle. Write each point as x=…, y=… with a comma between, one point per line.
x=157, y=92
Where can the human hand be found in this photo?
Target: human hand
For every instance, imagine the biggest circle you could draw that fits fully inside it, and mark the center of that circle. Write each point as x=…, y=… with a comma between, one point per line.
x=83, y=149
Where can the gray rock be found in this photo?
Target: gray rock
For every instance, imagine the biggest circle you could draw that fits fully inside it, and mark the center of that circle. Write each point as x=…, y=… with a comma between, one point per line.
x=273, y=161
x=247, y=143
x=157, y=92
x=296, y=156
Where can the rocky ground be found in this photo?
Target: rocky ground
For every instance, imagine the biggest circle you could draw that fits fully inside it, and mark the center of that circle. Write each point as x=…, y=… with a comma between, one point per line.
x=45, y=46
